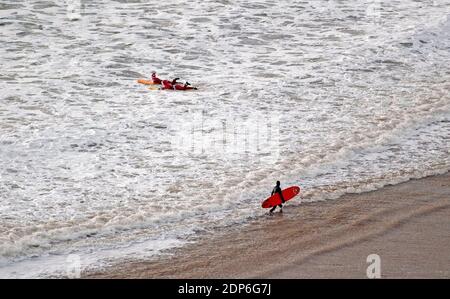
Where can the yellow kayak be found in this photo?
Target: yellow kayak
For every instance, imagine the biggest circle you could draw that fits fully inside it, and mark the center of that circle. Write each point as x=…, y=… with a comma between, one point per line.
x=147, y=82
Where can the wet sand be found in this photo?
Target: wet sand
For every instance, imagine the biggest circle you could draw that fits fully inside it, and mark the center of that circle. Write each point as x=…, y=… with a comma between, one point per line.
x=407, y=225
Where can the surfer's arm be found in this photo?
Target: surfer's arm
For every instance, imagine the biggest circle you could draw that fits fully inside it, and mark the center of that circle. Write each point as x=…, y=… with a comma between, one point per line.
x=281, y=196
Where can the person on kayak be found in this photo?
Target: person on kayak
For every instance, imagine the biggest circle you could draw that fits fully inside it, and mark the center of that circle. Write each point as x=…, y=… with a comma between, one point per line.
x=275, y=190
x=155, y=79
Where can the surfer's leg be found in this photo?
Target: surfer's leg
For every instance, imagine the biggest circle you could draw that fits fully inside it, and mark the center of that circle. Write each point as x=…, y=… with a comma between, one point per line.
x=272, y=209
x=281, y=208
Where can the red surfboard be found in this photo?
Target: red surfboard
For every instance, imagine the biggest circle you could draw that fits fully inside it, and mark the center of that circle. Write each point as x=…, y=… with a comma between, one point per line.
x=275, y=199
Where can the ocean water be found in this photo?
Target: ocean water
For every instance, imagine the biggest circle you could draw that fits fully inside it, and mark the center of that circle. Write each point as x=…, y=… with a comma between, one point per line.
x=334, y=96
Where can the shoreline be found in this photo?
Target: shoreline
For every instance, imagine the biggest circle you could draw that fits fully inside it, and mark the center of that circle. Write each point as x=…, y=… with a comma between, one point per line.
x=407, y=225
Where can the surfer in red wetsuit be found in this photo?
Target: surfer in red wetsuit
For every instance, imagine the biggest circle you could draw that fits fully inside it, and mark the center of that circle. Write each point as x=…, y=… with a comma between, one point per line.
x=155, y=79
x=277, y=189
x=169, y=84
x=175, y=85
x=185, y=86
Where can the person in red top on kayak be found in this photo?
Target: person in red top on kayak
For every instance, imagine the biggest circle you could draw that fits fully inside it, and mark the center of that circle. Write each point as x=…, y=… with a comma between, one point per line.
x=277, y=189
x=155, y=79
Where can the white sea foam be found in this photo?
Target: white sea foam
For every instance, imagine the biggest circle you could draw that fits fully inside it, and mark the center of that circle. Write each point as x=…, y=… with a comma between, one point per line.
x=334, y=96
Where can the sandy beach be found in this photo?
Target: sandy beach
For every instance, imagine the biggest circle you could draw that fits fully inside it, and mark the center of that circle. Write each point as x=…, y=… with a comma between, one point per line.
x=406, y=225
